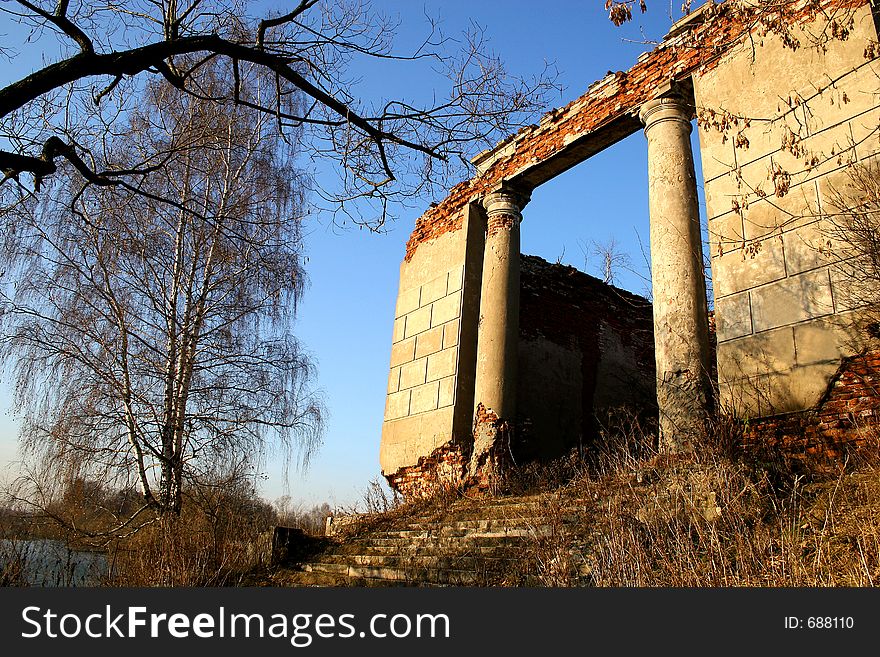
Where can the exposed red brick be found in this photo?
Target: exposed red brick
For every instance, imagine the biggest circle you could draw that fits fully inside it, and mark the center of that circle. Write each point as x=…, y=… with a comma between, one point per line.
x=448, y=467
x=499, y=222
x=444, y=468
x=488, y=466
x=484, y=415
x=845, y=419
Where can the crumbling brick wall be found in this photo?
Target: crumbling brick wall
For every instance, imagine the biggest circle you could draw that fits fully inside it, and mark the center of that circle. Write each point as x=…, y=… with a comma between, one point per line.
x=444, y=468
x=845, y=419
x=597, y=342
x=602, y=116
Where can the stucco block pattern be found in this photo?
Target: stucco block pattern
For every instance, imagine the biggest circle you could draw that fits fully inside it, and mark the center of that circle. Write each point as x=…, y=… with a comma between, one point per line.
x=407, y=301
x=412, y=374
x=418, y=321
x=792, y=300
x=447, y=392
x=822, y=342
x=770, y=217
x=733, y=316
x=739, y=270
x=398, y=332
x=780, y=288
x=424, y=353
x=810, y=247
x=403, y=352
x=768, y=352
x=433, y=290
x=394, y=380
x=447, y=309
x=450, y=333
x=429, y=342
x=442, y=364
x=424, y=398
x=397, y=405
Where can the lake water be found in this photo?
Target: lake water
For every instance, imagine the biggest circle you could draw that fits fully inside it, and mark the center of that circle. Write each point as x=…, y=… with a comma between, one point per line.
x=45, y=562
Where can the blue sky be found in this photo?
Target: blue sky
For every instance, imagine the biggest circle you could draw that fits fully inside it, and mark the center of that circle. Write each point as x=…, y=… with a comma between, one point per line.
x=345, y=319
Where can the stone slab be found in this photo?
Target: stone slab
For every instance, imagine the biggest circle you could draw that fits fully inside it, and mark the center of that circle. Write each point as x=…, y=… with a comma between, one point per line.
x=424, y=398
x=447, y=392
x=792, y=300
x=740, y=270
x=763, y=353
x=434, y=289
x=398, y=331
x=824, y=341
x=809, y=247
x=394, y=380
x=407, y=301
x=429, y=342
x=442, y=364
x=397, y=405
x=446, y=309
x=450, y=333
x=418, y=321
x=405, y=440
x=733, y=316
x=403, y=352
x=412, y=374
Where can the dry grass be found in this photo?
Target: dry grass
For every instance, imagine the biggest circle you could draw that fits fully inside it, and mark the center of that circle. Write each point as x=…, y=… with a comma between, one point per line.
x=219, y=539
x=182, y=552
x=716, y=517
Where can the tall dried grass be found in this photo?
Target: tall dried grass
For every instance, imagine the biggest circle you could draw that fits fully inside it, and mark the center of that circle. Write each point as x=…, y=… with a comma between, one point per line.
x=719, y=516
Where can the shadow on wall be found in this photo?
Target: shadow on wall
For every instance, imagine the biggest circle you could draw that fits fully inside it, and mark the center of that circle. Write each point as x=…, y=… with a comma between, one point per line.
x=585, y=347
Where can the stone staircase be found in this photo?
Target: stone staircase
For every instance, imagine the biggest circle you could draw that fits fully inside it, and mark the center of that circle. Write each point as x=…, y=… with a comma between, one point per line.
x=517, y=541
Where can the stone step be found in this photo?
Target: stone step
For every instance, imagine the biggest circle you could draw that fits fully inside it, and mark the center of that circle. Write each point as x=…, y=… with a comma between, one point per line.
x=471, y=545
x=472, y=525
x=510, y=516
x=498, y=531
x=367, y=575
x=466, y=544
x=410, y=562
x=506, y=549
x=465, y=538
x=326, y=568
x=319, y=579
x=498, y=512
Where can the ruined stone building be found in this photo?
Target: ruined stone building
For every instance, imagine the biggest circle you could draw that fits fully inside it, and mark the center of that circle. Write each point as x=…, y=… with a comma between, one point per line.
x=486, y=340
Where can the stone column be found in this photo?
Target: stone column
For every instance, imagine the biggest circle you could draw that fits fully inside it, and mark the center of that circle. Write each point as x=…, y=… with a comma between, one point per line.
x=498, y=333
x=681, y=326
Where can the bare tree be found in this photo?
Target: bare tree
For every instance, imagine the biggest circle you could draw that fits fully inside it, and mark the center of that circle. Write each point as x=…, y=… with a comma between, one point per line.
x=149, y=328
x=383, y=151
x=612, y=260
x=850, y=238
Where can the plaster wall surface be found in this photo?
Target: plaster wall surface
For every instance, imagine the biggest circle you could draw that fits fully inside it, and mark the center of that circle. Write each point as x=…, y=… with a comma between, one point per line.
x=782, y=318
x=430, y=381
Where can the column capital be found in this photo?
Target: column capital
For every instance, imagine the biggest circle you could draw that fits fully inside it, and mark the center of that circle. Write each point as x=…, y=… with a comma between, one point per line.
x=666, y=108
x=506, y=201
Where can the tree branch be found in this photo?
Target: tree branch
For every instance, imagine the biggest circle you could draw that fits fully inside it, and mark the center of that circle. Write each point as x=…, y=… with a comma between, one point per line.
x=60, y=20
x=154, y=56
x=267, y=23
